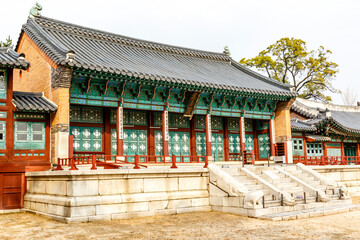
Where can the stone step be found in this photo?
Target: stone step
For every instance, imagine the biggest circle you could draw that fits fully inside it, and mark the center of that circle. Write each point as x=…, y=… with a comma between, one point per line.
x=290, y=168
x=254, y=187
x=241, y=178
x=292, y=190
x=281, y=180
x=272, y=203
x=285, y=185
x=233, y=171
x=313, y=212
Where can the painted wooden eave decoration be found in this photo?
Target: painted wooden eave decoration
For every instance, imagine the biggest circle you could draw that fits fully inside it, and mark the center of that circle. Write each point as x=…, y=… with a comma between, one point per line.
x=10, y=58
x=32, y=102
x=192, y=104
x=120, y=58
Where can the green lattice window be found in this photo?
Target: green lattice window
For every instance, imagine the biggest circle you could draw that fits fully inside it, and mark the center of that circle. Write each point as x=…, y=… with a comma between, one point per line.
x=249, y=142
x=217, y=123
x=233, y=124
x=135, y=143
x=87, y=139
x=179, y=145
x=158, y=143
x=264, y=145
x=157, y=118
x=249, y=125
x=113, y=116
x=298, y=147
x=234, y=143
x=200, y=122
x=133, y=117
x=29, y=135
x=178, y=121
x=314, y=149
x=86, y=114
x=217, y=146
x=3, y=84
x=2, y=135
x=113, y=141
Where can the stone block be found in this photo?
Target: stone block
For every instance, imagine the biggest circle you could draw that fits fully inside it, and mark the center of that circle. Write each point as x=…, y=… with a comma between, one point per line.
x=161, y=184
x=100, y=218
x=83, y=188
x=27, y=204
x=165, y=212
x=193, y=183
x=316, y=214
x=113, y=186
x=56, y=187
x=110, y=209
x=302, y=215
x=187, y=194
x=289, y=217
x=193, y=209
x=132, y=215
x=137, y=207
x=349, y=176
x=232, y=201
x=215, y=191
x=82, y=211
x=182, y=203
x=135, y=185
x=59, y=210
x=216, y=201
x=157, y=205
x=196, y=202
x=36, y=186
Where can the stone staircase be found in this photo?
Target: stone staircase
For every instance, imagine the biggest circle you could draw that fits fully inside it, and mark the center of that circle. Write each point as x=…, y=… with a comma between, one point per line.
x=282, y=192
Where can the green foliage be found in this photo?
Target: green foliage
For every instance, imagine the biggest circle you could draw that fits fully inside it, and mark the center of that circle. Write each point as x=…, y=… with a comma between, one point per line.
x=7, y=42
x=289, y=61
x=227, y=51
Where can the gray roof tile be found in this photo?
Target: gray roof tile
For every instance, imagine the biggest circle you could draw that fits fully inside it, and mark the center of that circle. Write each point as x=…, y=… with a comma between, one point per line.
x=28, y=102
x=10, y=58
x=107, y=52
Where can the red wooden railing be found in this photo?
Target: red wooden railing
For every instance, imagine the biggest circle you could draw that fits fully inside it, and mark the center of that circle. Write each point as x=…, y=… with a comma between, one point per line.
x=354, y=160
x=113, y=161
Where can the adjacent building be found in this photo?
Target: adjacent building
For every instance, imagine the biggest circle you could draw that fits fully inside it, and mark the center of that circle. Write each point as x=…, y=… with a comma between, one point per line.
x=327, y=130
x=117, y=95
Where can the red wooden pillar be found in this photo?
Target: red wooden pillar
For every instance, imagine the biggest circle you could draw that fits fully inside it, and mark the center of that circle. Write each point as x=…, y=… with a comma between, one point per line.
x=120, y=131
x=272, y=137
x=208, y=134
x=242, y=134
x=165, y=132
x=357, y=149
x=226, y=140
x=342, y=149
x=193, y=139
x=71, y=146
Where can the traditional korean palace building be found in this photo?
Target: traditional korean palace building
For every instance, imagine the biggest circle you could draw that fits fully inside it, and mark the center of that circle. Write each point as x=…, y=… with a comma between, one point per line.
x=123, y=96
x=24, y=130
x=324, y=129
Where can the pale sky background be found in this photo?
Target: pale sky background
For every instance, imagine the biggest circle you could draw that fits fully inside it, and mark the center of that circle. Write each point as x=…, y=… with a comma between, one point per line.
x=246, y=26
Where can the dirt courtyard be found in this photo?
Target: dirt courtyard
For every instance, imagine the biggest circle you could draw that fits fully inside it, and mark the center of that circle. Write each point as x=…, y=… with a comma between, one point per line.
x=205, y=225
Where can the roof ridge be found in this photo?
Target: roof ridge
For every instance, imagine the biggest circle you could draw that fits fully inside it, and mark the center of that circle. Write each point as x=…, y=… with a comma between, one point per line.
x=104, y=35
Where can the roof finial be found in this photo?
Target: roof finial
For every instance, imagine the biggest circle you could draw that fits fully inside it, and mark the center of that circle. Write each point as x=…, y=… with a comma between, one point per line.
x=35, y=10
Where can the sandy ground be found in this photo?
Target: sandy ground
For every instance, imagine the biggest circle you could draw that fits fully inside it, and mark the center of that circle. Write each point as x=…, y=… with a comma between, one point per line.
x=209, y=225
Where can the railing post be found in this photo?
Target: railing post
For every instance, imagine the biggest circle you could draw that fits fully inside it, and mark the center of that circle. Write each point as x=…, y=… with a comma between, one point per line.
x=72, y=164
x=136, y=162
x=173, y=160
x=58, y=166
x=206, y=162
x=93, y=162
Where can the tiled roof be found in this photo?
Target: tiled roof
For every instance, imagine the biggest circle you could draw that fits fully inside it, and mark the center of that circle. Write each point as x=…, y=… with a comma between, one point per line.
x=10, y=58
x=350, y=121
x=111, y=53
x=304, y=110
x=318, y=138
x=28, y=102
x=302, y=125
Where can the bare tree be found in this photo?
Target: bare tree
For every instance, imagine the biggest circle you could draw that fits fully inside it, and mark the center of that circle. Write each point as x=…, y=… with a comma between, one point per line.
x=349, y=97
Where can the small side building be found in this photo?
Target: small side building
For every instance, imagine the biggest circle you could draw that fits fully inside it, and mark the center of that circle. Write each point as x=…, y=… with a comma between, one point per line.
x=24, y=131
x=326, y=130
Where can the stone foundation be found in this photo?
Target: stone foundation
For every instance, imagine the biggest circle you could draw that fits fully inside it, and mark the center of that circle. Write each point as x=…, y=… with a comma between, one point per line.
x=116, y=194
x=347, y=175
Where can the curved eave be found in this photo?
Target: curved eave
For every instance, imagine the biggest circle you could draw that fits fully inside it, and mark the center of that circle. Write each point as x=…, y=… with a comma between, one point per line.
x=181, y=83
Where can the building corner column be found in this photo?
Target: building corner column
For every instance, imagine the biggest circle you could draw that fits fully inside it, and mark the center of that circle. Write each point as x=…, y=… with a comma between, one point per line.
x=60, y=120
x=165, y=134
x=283, y=127
x=272, y=137
x=242, y=135
x=208, y=136
x=120, y=131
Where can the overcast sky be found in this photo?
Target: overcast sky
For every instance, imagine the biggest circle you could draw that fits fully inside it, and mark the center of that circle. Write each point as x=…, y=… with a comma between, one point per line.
x=247, y=27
